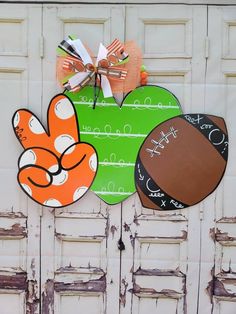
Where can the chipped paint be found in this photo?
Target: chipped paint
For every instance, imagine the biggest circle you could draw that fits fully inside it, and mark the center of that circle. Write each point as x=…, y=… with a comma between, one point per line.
x=76, y=270
x=212, y=234
x=164, y=293
x=13, y=280
x=126, y=227
x=32, y=301
x=12, y=215
x=220, y=289
x=223, y=236
x=94, y=285
x=32, y=267
x=174, y=239
x=124, y=286
x=48, y=297
x=113, y=229
x=135, y=220
x=227, y=220
x=107, y=224
x=16, y=230
x=158, y=272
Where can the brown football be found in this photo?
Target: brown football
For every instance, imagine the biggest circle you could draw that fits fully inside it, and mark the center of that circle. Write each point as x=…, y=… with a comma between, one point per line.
x=181, y=161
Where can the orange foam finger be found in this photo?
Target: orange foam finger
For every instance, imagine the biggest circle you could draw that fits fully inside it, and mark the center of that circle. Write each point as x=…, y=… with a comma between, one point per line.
x=29, y=130
x=79, y=154
x=62, y=123
x=39, y=157
x=41, y=186
x=82, y=170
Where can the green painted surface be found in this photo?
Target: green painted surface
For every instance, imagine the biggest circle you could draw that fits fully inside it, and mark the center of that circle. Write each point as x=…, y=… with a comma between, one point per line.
x=118, y=132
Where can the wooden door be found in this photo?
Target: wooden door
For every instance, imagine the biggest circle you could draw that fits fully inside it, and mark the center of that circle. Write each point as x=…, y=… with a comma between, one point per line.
x=80, y=255
x=20, y=85
x=218, y=250
x=159, y=268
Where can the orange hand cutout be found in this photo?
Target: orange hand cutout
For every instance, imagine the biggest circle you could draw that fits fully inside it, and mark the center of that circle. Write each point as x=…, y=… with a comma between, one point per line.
x=55, y=169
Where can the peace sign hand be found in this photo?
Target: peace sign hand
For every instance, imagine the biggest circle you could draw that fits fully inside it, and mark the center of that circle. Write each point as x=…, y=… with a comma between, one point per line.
x=55, y=169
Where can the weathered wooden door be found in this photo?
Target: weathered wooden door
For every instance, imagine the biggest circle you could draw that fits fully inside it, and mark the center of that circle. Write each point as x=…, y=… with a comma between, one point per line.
x=20, y=85
x=69, y=260
x=82, y=265
x=218, y=232
x=159, y=272
x=80, y=257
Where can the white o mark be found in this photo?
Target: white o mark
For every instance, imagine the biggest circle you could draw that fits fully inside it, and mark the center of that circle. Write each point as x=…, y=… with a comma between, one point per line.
x=79, y=192
x=93, y=162
x=16, y=119
x=35, y=126
x=216, y=143
x=64, y=109
x=52, y=202
x=27, y=189
x=147, y=101
x=59, y=178
x=62, y=142
x=28, y=158
x=150, y=190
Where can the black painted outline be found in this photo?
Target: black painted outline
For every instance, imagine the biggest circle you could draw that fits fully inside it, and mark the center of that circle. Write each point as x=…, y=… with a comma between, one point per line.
x=47, y=131
x=181, y=116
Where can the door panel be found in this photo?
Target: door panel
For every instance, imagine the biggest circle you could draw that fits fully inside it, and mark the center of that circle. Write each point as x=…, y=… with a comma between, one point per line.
x=172, y=39
x=20, y=85
x=218, y=248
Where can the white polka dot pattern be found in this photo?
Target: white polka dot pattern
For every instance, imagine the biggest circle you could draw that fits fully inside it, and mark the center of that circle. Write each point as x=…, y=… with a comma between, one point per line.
x=27, y=189
x=35, y=126
x=62, y=142
x=93, y=162
x=79, y=192
x=64, y=109
x=27, y=158
x=16, y=119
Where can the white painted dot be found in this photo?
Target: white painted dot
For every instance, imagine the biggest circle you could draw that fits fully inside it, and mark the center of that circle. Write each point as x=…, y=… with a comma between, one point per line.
x=16, y=119
x=35, y=126
x=79, y=192
x=53, y=168
x=52, y=202
x=93, y=162
x=62, y=142
x=59, y=178
x=27, y=189
x=64, y=109
x=27, y=158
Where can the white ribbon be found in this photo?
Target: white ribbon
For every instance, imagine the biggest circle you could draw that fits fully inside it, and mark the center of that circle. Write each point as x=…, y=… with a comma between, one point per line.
x=79, y=77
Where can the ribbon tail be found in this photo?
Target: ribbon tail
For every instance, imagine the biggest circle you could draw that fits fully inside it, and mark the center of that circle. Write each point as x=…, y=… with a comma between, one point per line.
x=78, y=81
x=102, y=53
x=106, y=87
x=81, y=50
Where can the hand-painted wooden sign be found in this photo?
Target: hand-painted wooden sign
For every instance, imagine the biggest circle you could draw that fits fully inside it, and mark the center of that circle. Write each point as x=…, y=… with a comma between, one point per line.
x=181, y=161
x=117, y=133
x=55, y=169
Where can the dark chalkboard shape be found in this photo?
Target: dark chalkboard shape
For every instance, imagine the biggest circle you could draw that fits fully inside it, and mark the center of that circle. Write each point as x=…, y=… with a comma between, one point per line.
x=181, y=161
